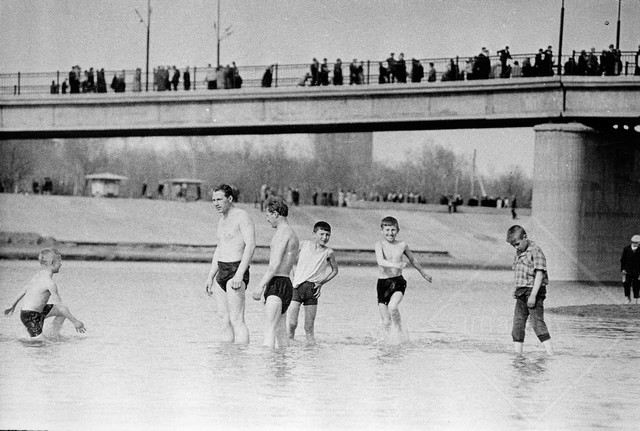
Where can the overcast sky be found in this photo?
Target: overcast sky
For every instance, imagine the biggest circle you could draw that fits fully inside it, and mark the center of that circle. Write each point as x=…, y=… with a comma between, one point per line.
x=54, y=35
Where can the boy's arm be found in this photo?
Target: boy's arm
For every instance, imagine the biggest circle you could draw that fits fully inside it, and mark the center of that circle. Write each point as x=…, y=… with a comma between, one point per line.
x=247, y=229
x=334, y=269
x=384, y=262
x=416, y=264
x=63, y=309
x=20, y=295
x=537, y=283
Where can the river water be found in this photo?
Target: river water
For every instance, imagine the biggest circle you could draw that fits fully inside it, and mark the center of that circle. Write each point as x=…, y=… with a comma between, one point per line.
x=152, y=358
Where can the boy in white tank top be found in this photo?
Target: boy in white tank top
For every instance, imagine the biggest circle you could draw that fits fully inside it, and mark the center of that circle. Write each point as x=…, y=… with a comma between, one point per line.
x=316, y=266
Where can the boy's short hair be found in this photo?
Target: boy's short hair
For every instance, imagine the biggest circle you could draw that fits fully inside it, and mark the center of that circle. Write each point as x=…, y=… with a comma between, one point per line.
x=48, y=255
x=515, y=232
x=322, y=225
x=224, y=188
x=277, y=205
x=389, y=221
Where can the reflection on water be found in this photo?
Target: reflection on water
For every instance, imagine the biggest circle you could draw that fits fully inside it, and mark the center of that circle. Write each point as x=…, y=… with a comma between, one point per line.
x=152, y=354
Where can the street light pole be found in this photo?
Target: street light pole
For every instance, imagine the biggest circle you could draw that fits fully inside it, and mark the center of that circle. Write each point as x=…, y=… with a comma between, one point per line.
x=148, y=38
x=561, y=36
x=618, y=29
x=218, y=37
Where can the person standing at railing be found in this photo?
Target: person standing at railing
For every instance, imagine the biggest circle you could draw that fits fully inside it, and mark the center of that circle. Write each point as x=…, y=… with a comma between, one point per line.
x=210, y=78
x=417, y=71
x=353, y=72
x=267, y=77
x=74, y=81
x=391, y=68
x=337, y=72
x=186, y=79
x=637, y=71
x=361, y=72
x=324, y=73
x=383, y=73
x=505, y=56
x=315, y=72
x=548, y=61
x=401, y=69
x=175, y=79
x=431, y=73
x=137, y=85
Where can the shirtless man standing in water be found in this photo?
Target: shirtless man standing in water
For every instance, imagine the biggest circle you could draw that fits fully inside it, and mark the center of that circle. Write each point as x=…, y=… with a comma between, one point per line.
x=230, y=265
x=276, y=288
x=40, y=289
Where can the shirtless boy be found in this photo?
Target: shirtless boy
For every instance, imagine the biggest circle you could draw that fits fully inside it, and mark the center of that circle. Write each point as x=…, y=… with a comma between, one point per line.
x=391, y=284
x=41, y=288
x=230, y=265
x=275, y=288
x=316, y=267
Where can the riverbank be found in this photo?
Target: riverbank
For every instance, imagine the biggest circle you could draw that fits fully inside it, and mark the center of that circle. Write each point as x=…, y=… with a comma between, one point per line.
x=155, y=230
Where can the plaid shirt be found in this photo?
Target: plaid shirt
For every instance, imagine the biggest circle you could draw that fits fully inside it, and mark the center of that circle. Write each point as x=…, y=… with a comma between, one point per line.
x=526, y=263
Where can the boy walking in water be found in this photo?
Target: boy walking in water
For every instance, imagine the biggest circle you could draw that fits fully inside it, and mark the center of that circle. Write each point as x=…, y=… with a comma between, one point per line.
x=276, y=288
x=230, y=265
x=531, y=279
x=316, y=266
x=40, y=289
x=391, y=283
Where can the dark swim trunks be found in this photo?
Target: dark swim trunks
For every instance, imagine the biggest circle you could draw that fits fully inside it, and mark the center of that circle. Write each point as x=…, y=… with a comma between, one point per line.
x=305, y=293
x=388, y=286
x=34, y=321
x=282, y=288
x=226, y=271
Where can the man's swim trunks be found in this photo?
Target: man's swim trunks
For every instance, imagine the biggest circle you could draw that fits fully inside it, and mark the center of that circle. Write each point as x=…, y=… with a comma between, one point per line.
x=388, y=286
x=305, y=293
x=226, y=271
x=34, y=321
x=282, y=288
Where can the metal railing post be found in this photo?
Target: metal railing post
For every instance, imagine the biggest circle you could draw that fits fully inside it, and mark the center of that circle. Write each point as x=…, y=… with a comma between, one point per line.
x=368, y=71
x=195, y=77
x=18, y=83
x=276, y=75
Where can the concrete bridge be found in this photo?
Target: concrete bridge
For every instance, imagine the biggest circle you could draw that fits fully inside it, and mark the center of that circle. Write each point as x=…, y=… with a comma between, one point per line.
x=586, y=201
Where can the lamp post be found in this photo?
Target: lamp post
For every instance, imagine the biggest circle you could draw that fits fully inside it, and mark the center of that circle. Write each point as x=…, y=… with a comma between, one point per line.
x=227, y=32
x=560, y=41
x=618, y=27
x=148, y=25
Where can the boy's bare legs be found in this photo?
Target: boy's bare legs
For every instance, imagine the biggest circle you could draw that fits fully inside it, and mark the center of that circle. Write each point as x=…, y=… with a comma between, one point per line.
x=274, y=321
x=517, y=347
x=309, y=321
x=56, y=326
x=384, y=316
x=282, y=337
x=292, y=318
x=394, y=313
x=547, y=347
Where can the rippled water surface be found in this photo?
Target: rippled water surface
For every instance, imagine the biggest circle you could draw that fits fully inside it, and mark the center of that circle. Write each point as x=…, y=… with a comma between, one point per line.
x=152, y=358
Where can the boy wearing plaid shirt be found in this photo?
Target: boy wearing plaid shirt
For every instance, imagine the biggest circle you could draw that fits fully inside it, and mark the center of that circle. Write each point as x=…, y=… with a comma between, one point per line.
x=531, y=279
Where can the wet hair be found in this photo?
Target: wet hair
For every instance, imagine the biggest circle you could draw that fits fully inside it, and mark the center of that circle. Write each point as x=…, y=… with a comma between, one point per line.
x=47, y=256
x=226, y=189
x=515, y=232
x=389, y=221
x=322, y=225
x=277, y=205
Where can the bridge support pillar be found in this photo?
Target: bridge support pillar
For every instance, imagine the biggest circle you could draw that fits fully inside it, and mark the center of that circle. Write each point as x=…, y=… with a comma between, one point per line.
x=586, y=199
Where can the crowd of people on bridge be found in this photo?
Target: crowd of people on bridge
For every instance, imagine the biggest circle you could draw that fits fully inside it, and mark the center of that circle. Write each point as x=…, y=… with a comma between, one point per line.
x=392, y=70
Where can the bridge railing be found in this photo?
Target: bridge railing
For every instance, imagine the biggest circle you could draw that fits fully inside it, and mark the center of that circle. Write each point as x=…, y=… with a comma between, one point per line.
x=283, y=75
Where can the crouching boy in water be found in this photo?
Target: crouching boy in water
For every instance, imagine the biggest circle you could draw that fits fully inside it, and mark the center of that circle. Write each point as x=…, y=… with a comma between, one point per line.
x=316, y=266
x=276, y=288
x=391, y=284
x=40, y=289
x=531, y=279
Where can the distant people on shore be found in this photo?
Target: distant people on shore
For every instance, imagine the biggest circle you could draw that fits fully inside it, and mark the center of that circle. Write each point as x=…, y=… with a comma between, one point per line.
x=630, y=268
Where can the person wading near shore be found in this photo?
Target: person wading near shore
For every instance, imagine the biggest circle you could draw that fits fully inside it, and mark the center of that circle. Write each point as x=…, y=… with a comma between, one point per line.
x=41, y=297
x=236, y=243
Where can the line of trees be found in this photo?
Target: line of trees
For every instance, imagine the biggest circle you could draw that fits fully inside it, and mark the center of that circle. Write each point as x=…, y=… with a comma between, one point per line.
x=433, y=172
